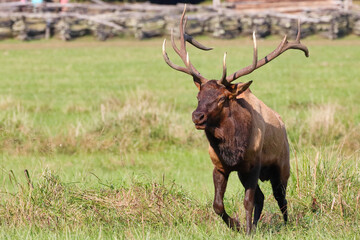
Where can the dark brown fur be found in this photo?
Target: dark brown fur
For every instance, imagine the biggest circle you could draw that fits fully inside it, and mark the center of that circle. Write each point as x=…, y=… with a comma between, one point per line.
x=241, y=130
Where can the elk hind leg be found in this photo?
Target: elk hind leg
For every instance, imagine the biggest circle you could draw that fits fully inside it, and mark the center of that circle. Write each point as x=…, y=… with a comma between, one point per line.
x=258, y=203
x=279, y=191
x=249, y=181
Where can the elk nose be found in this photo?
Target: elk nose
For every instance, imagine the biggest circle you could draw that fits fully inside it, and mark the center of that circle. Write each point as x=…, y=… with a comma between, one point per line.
x=198, y=117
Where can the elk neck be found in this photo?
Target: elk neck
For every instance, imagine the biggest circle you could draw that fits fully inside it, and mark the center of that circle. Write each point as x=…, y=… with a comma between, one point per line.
x=230, y=137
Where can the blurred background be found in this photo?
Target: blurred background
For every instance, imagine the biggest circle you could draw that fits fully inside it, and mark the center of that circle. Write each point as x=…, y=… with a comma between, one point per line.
x=27, y=20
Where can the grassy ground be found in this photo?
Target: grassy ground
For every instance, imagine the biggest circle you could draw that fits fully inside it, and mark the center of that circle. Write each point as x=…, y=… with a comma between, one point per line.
x=104, y=130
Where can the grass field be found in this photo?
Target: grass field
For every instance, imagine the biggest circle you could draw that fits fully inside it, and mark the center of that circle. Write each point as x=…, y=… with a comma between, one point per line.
x=105, y=132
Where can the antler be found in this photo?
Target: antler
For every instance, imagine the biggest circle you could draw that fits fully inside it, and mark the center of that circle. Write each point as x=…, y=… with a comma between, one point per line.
x=283, y=46
x=250, y=68
x=183, y=54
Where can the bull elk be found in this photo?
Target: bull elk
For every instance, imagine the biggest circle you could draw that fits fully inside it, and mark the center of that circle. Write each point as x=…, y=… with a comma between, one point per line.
x=244, y=134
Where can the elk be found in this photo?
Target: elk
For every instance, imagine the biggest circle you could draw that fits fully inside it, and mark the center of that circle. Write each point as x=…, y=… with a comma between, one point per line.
x=244, y=134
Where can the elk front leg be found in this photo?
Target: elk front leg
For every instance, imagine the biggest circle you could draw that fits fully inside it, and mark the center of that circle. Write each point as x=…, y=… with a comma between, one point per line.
x=220, y=183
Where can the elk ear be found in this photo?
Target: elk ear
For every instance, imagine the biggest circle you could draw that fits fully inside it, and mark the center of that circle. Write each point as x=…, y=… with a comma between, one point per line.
x=197, y=85
x=240, y=88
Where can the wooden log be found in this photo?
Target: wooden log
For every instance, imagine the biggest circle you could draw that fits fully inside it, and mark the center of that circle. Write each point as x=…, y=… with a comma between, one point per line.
x=96, y=19
x=110, y=7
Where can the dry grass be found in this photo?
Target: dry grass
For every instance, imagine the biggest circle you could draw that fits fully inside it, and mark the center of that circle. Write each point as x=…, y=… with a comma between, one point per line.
x=324, y=125
x=331, y=179
x=322, y=118
x=53, y=204
x=138, y=124
x=328, y=193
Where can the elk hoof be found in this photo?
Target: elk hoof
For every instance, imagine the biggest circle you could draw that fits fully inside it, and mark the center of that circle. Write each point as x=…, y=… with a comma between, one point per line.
x=234, y=224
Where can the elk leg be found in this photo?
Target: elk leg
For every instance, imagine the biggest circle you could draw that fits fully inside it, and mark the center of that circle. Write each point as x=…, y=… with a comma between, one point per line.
x=279, y=191
x=220, y=183
x=250, y=183
x=249, y=207
x=259, y=204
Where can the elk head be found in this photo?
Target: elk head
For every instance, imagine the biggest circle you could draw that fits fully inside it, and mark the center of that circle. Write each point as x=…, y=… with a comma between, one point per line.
x=214, y=95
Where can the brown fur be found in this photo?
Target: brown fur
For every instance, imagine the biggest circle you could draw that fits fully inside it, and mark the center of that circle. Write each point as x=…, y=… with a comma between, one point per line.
x=244, y=136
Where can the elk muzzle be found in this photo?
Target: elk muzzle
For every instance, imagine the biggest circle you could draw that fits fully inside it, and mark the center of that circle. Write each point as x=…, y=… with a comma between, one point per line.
x=199, y=118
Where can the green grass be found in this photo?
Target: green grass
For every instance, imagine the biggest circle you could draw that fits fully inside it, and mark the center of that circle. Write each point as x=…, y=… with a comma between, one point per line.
x=105, y=131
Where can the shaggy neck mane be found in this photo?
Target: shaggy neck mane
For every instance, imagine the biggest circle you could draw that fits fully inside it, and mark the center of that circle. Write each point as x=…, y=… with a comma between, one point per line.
x=230, y=137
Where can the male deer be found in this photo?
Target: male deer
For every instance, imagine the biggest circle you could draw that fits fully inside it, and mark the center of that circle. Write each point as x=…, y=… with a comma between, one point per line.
x=244, y=134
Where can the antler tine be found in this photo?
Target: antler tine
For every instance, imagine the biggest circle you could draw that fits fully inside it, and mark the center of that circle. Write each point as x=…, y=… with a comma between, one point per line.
x=171, y=64
x=187, y=62
x=187, y=37
x=190, y=69
x=173, y=42
x=182, y=30
x=223, y=78
x=283, y=46
x=255, y=57
x=296, y=44
x=195, y=43
x=249, y=68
